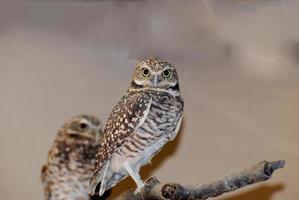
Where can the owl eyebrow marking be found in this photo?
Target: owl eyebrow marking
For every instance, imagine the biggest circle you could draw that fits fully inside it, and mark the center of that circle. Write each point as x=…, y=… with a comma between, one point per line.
x=165, y=68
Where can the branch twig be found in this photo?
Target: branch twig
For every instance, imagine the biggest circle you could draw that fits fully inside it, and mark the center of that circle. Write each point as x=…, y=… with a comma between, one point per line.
x=154, y=190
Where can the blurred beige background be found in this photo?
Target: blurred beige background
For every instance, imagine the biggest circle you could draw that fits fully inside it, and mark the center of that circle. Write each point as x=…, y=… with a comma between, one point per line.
x=238, y=63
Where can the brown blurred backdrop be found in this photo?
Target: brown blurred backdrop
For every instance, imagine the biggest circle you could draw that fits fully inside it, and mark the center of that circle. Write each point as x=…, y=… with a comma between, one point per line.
x=238, y=63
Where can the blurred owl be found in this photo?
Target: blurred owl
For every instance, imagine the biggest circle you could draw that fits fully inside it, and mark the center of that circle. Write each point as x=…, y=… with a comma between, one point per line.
x=71, y=160
x=144, y=120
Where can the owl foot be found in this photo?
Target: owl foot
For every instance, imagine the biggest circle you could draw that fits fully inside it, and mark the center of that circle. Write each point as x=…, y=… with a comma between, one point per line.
x=139, y=187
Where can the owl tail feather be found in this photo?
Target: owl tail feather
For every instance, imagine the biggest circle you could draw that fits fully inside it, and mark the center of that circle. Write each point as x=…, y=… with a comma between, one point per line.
x=99, y=180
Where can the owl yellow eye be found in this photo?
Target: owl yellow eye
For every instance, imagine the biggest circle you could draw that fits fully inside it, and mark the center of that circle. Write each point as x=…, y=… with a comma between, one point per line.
x=166, y=73
x=145, y=72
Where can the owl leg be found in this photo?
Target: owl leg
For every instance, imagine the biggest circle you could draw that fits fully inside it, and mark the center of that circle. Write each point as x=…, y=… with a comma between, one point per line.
x=135, y=176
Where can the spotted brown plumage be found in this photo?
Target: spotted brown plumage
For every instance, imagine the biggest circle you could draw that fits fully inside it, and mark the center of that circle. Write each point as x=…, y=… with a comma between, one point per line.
x=143, y=121
x=71, y=159
x=122, y=122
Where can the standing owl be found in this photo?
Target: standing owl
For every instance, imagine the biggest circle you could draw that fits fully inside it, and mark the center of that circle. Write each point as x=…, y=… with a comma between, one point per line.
x=144, y=120
x=71, y=160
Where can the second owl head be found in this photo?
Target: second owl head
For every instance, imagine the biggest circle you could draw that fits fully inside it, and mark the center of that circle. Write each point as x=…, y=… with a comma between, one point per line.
x=82, y=127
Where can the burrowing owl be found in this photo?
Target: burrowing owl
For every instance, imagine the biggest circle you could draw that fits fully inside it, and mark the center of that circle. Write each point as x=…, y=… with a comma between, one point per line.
x=144, y=120
x=71, y=160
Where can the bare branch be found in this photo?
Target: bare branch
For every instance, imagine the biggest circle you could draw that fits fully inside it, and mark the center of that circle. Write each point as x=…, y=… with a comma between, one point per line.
x=154, y=190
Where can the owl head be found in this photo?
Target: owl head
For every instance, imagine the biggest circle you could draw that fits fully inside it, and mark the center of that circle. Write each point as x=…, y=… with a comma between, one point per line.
x=155, y=73
x=82, y=127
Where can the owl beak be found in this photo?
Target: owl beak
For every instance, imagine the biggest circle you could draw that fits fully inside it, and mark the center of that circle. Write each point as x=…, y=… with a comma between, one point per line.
x=156, y=80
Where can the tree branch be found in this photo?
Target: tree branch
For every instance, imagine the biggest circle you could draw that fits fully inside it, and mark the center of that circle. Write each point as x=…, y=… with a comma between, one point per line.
x=154, y=190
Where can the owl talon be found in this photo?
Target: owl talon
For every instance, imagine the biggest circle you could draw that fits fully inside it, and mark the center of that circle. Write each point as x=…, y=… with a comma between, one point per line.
x=139, y=188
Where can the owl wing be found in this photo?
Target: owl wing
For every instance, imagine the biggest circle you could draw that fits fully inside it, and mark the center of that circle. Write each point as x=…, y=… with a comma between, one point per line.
x=125, y=118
